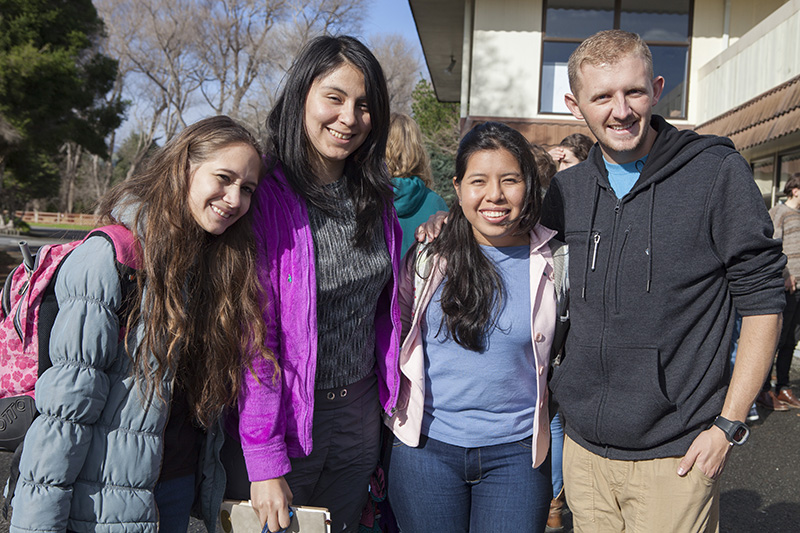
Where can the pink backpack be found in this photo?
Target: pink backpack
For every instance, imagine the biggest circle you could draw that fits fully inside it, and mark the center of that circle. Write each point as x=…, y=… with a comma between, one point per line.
x=29, y=308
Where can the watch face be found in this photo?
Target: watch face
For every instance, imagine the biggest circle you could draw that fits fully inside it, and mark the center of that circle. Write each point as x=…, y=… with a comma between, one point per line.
x=741, y=434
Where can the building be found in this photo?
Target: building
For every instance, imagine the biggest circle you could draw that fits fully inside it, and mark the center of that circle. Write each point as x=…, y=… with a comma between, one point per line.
x=732, y=67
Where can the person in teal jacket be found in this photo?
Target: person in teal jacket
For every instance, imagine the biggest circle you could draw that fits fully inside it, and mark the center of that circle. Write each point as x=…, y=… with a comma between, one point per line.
x=410, y=168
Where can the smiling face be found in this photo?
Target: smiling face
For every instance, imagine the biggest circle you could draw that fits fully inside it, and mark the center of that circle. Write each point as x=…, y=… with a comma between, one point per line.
x=336, y=120
x=616, y=101
x=220, y=188
x=492, y=196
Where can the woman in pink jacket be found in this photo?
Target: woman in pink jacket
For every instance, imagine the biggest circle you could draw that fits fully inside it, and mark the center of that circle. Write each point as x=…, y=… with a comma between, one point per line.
x=328, y=242
x=479, y=309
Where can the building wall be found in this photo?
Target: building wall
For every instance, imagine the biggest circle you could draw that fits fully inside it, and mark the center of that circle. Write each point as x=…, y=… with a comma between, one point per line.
x=506, y=51
x=766, y=55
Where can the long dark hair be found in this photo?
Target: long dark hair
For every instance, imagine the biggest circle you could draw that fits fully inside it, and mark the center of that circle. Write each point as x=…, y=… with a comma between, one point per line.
x=202, y=310
x=367, y=177
x=473, y=292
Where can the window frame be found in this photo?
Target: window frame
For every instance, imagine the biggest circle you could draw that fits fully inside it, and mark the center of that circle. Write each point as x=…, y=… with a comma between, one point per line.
x=687, y=45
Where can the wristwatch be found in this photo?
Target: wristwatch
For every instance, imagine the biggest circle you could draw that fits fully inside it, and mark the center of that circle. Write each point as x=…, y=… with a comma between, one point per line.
x=736, y=432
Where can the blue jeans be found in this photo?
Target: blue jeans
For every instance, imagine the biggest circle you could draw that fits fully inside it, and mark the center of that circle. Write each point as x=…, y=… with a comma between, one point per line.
x=556, y=452
x=441, y=488
x=174, y=499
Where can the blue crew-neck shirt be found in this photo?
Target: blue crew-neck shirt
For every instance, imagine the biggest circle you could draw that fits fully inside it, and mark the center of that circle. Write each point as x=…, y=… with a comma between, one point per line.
x=623, y=177
x=475, y=399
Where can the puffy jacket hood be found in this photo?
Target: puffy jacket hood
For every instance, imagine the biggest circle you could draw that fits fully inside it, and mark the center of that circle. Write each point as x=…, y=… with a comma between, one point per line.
x=409, y=193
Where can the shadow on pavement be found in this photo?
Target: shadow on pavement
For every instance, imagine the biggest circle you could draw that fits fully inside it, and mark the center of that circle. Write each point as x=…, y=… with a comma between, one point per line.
x=743, y=513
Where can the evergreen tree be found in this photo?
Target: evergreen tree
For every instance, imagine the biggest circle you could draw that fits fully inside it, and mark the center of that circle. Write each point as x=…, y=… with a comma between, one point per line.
x=53, y=77
x=439, y=122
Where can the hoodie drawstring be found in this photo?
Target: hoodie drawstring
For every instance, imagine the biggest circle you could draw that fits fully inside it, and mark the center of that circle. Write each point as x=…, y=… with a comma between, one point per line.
x=649, y=250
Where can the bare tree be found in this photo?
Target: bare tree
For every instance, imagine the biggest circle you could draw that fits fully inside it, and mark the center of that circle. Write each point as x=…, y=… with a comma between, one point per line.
x=309, y=18
x=180, y=59
x=71, y=153
x=152, y=39
x=401, y=67
x=234, y=48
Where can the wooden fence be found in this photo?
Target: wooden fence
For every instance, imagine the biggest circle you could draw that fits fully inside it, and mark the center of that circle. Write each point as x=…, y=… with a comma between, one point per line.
x=40, y=217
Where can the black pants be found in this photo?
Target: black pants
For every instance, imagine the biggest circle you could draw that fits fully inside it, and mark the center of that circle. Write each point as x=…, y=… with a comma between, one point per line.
x=790, y=334
x=346, y=440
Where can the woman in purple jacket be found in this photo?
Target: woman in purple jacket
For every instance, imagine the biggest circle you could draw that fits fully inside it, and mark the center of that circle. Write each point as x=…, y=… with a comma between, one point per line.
x=329, y=242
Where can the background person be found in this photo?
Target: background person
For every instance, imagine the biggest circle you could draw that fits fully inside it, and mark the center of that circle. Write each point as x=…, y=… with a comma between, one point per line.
x=329, y=255
x=410, y=168
x=571, y=150
x=545, y=165
x=786, y=219
x=643, y=402
x=476, y=353
x=121, y=416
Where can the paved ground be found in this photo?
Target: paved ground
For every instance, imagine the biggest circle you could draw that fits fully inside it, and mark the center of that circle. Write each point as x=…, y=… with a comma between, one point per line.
x=761, y=483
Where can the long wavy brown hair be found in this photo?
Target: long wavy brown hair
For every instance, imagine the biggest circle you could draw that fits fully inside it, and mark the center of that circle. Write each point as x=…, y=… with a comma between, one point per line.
x=202, y=307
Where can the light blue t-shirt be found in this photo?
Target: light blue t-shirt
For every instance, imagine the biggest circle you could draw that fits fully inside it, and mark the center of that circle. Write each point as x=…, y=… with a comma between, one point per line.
x=623, y=177
x=477, y=399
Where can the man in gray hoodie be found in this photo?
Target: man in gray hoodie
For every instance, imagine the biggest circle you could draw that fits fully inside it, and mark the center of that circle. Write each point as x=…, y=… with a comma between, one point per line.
x=667, y=234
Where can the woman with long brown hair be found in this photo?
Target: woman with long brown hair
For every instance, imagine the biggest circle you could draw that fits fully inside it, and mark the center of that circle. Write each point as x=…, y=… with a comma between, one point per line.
x=328, y=242
x=130, y=408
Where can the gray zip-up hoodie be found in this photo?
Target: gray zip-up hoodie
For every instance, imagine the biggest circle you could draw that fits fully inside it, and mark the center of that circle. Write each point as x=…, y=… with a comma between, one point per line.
x=654, y=279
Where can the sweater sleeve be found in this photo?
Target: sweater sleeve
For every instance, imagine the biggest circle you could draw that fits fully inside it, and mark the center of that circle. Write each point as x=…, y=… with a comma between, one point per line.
x=262, y=406
x=742, y=237
x=72, y=393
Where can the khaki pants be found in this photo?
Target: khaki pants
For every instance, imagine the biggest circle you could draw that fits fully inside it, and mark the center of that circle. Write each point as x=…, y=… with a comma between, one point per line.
x=607, y=496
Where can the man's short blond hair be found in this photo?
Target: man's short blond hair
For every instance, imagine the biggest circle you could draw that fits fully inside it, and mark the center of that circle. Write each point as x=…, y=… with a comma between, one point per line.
x=607, y=47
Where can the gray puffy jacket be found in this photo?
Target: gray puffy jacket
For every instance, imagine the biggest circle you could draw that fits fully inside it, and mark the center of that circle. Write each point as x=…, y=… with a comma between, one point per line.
x=92, y=458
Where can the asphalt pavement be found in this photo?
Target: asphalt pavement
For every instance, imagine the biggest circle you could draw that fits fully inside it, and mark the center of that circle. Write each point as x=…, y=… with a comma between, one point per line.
x=760, y=489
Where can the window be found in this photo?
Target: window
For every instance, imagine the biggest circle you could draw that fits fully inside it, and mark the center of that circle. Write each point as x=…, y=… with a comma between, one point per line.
x=770, y=182
x=665, y=27
x=764, y=174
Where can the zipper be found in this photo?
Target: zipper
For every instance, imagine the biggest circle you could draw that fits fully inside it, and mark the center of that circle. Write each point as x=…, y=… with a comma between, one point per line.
x=604, y=394
x=619, y=269
x=596, y=240
x=18, y=311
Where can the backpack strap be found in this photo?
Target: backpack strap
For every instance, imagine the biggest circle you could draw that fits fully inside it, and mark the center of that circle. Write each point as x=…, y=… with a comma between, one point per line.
x=126, y=247
x=560, y=252
x=126, y=250
x=423, y=264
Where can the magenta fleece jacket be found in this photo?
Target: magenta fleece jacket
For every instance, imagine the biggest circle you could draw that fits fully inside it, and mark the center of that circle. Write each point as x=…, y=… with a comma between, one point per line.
x=275, y=417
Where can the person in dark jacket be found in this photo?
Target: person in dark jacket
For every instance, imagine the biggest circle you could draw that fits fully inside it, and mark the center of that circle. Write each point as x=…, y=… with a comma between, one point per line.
x=668, y=234
x=410, y=168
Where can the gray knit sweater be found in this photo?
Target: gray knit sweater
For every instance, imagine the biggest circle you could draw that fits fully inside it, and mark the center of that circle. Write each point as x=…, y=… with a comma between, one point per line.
x=349, y=281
